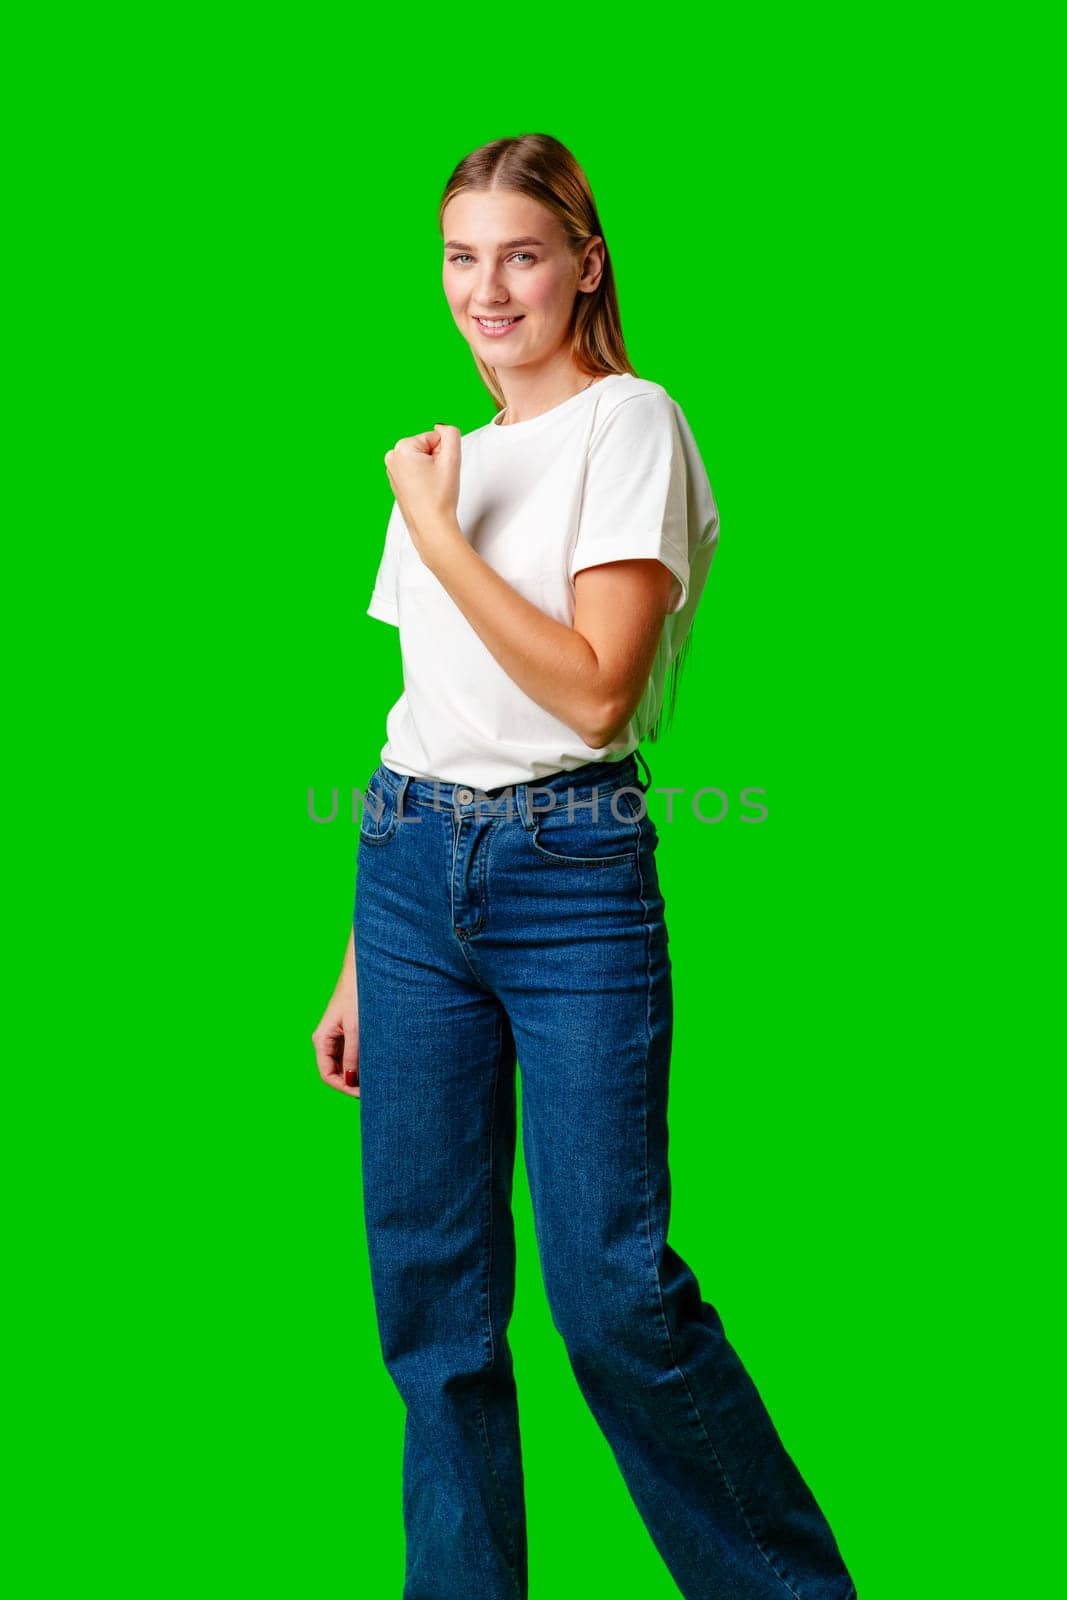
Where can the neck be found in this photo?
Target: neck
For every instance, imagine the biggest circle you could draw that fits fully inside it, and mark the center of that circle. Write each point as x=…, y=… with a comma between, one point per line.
x=527, y=395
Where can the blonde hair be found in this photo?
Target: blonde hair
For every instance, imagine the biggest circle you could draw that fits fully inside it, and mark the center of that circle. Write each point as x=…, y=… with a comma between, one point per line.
x=539, y=166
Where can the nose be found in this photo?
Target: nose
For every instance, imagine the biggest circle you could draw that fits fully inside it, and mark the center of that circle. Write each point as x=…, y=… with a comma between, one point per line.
x=489, y=287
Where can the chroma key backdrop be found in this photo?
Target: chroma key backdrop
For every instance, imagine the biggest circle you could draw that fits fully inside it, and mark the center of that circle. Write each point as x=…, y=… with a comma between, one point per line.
x=228, y=306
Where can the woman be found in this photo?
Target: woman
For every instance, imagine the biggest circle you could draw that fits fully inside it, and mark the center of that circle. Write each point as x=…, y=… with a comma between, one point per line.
x=543, y=571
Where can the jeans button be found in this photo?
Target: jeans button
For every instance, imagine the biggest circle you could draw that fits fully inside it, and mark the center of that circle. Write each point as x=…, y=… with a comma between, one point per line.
x=464, y=796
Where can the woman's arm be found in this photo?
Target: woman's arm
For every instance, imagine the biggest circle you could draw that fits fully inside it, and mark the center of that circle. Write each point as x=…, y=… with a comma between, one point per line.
x=336, y=1039
x=592, y=675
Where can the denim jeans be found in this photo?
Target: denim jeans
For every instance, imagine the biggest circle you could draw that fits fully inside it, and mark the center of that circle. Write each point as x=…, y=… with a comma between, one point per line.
x=526, y=927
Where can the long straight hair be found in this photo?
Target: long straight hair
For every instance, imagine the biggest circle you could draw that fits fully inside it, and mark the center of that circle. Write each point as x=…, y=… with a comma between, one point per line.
x=539, y=166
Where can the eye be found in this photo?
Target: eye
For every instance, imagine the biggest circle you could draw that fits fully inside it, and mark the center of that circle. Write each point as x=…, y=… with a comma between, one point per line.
x=463, y=256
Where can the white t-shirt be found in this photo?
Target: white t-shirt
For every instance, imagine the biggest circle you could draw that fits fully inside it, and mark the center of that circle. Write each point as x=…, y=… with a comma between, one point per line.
x=612, y=472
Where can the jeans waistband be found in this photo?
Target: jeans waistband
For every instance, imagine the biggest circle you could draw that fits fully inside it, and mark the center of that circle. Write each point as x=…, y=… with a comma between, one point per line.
x=592, y=781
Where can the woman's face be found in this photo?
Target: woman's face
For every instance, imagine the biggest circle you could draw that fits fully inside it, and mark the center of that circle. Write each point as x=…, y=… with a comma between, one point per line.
x=506, y=257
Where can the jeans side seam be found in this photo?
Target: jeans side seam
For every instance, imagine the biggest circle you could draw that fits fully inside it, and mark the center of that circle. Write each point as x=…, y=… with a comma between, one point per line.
x=488, y=1291
x=655, y=1272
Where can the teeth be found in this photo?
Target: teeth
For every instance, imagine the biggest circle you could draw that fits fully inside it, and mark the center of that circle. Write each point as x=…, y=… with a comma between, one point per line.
x=496, y=322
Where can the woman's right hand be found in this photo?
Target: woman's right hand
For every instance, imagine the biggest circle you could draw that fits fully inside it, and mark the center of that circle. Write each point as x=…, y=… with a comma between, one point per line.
x=336, y=1039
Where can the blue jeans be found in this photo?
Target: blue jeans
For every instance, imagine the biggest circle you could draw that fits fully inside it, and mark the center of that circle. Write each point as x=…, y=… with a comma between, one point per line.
x=525, y=926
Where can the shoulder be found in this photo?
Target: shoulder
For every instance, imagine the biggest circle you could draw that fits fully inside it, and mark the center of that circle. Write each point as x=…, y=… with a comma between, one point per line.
x=634, y=401
x=631, y=408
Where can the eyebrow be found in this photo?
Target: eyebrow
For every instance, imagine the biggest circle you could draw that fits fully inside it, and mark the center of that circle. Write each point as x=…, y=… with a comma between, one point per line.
x=509, y=244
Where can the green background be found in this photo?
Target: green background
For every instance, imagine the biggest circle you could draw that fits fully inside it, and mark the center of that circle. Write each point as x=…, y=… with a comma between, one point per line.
x=227, y=307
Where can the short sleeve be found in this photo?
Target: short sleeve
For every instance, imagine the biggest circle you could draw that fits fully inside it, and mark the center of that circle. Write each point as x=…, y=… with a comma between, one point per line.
x=383, y=600
x=634, y=499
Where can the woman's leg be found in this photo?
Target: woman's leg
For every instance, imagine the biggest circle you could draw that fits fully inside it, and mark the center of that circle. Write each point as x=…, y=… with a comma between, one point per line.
x=437, y=1099
x=578, y=955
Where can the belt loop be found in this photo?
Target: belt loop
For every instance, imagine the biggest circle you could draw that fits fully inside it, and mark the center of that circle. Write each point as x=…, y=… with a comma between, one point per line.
x=644, y=787
x=522, y=804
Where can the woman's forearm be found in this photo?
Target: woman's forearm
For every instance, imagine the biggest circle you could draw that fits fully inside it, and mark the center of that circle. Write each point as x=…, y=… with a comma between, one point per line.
x=550, y=661
x=348, y=966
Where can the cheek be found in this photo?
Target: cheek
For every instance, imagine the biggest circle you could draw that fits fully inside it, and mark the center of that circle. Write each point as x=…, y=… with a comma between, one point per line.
x=548, y=297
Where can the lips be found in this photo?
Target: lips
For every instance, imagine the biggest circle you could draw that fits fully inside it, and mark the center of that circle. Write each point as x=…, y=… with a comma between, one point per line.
x=487, y=330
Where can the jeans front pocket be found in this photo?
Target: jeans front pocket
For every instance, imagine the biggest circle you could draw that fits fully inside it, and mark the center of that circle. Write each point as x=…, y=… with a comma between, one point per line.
x=378, y=817
x=574, y=833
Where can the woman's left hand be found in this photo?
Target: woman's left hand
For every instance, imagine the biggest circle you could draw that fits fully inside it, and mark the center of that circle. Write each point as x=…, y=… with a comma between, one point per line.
x=424, y=474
